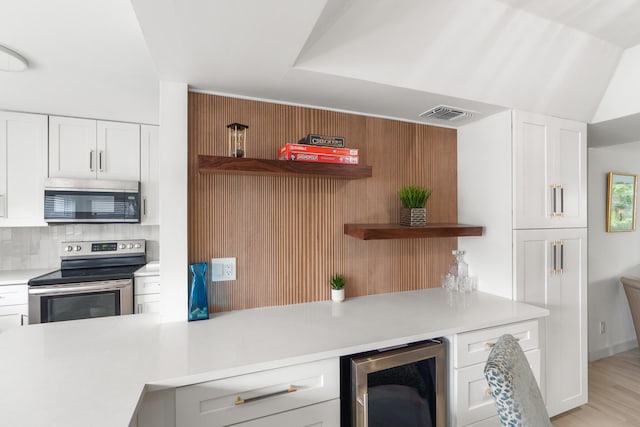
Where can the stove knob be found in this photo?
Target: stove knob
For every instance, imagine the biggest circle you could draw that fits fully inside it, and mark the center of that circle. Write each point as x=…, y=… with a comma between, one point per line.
x=130, y=246
x=137, y=246
x=78, y=248
x=68, y=248
x=122, y=246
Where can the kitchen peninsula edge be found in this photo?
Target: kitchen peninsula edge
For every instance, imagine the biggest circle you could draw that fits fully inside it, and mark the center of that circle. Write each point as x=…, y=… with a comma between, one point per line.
x=95, y=371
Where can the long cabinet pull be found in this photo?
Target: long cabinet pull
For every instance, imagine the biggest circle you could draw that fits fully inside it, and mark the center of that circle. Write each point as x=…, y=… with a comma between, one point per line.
x=555, y=257
x=241, y=401
x=492, y=344
x=561, y=257
x=561, y=200
x=144, y=206
x=555, y=198
x=91, y=155
x=100, y=165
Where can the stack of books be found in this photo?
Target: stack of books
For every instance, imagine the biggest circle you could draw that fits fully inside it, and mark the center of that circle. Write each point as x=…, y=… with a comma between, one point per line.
x=320, y=149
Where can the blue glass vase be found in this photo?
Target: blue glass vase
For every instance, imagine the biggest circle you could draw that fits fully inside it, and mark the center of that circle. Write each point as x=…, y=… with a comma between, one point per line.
x=198, y=306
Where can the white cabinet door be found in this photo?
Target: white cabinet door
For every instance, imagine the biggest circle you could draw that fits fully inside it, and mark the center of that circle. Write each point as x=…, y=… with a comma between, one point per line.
x=326, y=414
x=149, y=174
x=550, y=182
x=551, y=272
x=118, y=148
x=72, y=148
x=12, y=316
x=23, y=168
x=147, y=303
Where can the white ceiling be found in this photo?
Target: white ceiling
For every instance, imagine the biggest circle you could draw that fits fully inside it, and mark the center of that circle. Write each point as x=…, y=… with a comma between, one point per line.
x=394, y=58
x=615, y=21
x=482, y=55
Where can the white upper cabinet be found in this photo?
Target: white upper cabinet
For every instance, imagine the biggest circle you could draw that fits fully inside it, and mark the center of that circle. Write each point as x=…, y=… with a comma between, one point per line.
x=118, y=151
x=550, y=165
x=149, y=174
x=23, y=168
x=90, y=149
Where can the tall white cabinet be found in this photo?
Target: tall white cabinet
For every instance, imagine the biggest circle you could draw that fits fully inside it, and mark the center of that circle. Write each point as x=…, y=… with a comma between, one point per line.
x=149, y=174
x=23, y=168
x=523, y=175
x=93, y=149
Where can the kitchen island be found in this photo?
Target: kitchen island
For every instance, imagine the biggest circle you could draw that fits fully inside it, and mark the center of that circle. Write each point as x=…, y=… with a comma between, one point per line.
x=95, y=371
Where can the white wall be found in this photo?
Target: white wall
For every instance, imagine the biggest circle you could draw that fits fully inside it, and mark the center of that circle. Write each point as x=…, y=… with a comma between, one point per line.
x=611, y=255
x=622, y=97
x=173, y=199
x=484, y=198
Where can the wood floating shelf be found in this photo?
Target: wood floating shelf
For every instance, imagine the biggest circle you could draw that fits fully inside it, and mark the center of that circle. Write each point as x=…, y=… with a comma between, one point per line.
x=266, y=167
x=396, y=231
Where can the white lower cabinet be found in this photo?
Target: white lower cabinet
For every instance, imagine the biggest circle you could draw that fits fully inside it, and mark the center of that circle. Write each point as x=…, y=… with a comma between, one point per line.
x=146, y=294
x=13, y=306
x=470, y=401
x=325, y=414
x=551, y=272
x=289, y=393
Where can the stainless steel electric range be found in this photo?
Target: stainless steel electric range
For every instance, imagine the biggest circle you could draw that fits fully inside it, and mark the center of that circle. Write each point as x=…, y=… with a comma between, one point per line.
x=95, y=280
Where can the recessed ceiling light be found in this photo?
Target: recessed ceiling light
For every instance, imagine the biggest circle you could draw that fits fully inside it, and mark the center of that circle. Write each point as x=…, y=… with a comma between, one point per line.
x=11, y=61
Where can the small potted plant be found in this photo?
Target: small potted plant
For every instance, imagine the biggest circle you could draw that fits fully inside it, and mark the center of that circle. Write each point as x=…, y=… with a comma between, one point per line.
x=337, y=288
x=413, y=212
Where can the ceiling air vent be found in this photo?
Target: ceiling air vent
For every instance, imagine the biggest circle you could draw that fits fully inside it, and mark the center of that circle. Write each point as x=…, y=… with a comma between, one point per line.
x=449, y=114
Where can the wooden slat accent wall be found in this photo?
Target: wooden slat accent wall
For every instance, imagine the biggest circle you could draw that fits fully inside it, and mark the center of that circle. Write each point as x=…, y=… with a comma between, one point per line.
x=287, y=232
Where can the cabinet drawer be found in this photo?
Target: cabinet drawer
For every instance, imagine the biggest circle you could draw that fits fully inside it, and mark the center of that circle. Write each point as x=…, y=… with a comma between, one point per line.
x=13, y=295
x=474, y=400
x=147, y=285
x=215, y=403
x=474, y=347
x=326, y=414
x=489, y=422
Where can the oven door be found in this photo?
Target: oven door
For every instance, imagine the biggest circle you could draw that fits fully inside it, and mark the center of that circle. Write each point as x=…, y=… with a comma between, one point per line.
x=69, y=301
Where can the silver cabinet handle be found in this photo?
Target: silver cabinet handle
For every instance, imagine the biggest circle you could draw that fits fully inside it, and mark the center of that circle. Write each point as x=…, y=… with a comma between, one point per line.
x=23, y=317
x=555, y=257
x=562, y=200
x=100, y=162
x=140, y=308
x=555, y=198
x=144, y=206
x=92, y=153
x=561, y=257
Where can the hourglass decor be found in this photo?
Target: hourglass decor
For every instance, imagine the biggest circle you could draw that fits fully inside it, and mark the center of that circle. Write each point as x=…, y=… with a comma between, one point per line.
x=237, y=139
x=198, y=305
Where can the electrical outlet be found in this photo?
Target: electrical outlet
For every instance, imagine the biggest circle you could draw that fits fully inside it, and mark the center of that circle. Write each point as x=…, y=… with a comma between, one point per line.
x=603, y=327
x=223, y=269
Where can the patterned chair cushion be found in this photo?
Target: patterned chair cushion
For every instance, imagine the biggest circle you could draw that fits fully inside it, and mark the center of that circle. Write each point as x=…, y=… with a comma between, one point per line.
x=514, y=387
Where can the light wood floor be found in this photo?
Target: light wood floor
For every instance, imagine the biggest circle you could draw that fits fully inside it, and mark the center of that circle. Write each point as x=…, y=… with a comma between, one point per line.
x=614, y=394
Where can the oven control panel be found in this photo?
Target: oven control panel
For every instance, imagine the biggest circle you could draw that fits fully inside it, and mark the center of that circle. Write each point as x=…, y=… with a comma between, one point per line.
x=103, y=248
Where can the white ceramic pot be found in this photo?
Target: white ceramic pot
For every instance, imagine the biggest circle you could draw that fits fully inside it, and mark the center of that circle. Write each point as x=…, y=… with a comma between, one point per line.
x=337, y=295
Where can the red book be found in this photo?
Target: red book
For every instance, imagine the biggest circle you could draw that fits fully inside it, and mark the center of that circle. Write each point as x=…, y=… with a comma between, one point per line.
x=318, y=158
x=319, y=150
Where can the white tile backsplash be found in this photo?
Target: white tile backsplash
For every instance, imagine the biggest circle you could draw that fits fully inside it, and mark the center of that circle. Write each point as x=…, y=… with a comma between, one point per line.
x=38, y=247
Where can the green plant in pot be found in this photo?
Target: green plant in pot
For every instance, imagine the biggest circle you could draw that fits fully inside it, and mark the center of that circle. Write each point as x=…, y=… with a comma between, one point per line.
x=337, y=288
x=413, y=212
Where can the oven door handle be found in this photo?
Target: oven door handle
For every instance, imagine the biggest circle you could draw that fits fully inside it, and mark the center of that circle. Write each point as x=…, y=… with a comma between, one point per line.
x=77, y=288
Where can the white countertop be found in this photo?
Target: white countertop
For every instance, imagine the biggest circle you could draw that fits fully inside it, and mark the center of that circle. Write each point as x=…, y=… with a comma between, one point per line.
x=93, y=371
x=152, y=268
x=21, y=277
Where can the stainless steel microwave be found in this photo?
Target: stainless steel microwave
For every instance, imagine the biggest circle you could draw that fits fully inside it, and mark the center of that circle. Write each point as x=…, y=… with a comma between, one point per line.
x=91, y=201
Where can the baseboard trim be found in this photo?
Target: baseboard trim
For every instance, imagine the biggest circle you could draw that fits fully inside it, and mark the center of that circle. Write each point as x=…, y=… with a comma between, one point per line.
x=611, y=350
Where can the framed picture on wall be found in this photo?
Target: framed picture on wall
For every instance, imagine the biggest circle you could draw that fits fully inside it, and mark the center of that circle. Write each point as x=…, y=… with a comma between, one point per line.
x=621, y=201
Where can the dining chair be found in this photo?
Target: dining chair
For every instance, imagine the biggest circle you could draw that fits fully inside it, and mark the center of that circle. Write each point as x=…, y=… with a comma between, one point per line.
x=513, y=386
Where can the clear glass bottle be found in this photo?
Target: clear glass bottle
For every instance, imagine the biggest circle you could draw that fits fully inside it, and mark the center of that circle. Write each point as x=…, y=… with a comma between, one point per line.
x=459, y=270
